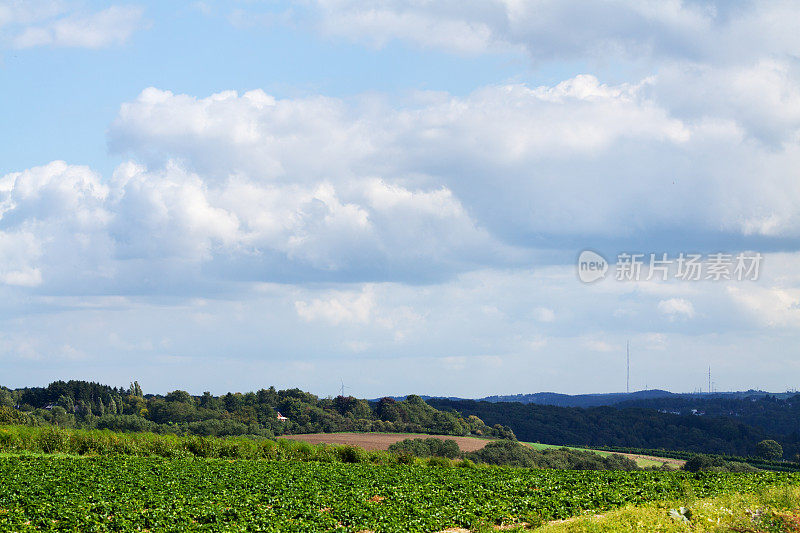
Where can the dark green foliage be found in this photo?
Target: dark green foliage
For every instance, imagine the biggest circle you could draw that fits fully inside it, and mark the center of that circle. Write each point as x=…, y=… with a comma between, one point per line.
x=776, y=416
x=92, y=405
x=769, y=450
x=127, y=423
x=427, y=448
x=179, y=396
x=615, y=427
x=708, y=463
x=6, y=399
x=351, y=454
x=761, y=464
x=504, y=453
x=511, y=453
x=12, y=416
x=437, y=461
x=50, y=440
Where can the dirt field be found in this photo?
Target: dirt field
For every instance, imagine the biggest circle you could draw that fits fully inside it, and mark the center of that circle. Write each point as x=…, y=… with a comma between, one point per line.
x=381, y=441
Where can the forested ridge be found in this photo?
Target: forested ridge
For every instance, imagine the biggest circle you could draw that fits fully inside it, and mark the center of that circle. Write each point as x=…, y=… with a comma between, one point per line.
x=622, y=427
x=780, y=416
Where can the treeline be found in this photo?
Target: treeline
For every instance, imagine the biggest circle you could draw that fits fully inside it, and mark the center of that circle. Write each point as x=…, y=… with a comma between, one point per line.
x=512, y=453
x=430, y=452
x=614, y=427
x=756, y=462
x=50, y=440
x=82, y=404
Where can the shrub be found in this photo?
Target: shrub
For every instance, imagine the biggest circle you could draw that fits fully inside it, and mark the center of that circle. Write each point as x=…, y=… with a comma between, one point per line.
x=86, y=444
x=351, y=454
x=165, y=446
x=326, y=454
x=201, y=447
x=52, y=440
x=428, y=447
x=7, y=440
x=769, y=449
x=9, y=416
x=237, y=449
x=268, y=449
x=707, y=463
x=438, y=461
x=404, y=458
x=465, y=463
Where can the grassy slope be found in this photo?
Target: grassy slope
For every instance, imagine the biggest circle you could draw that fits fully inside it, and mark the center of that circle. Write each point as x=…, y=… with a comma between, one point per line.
x=643, y=461
x=775, y=509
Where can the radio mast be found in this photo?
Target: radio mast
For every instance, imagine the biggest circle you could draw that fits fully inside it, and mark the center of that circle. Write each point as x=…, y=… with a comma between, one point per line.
x=628, y=375
x=709, y=380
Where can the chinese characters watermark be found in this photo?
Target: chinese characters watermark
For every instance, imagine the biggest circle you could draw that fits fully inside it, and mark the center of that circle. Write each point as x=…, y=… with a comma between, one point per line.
x=718, y=266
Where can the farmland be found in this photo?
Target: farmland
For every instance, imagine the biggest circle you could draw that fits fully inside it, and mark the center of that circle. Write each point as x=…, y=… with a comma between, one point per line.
x=126, y=493
x=382, y=441
x=642, y=461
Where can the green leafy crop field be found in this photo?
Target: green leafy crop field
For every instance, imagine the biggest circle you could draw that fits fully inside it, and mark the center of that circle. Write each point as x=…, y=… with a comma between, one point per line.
x=129, y=493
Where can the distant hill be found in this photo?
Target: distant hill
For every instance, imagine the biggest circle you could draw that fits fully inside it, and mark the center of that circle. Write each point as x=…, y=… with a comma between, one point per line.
x=579, y=400
x=605, y=399
x=776, y=414
x=628, y=427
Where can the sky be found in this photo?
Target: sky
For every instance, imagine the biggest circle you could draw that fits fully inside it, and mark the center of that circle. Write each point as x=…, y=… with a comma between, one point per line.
x=393, y=195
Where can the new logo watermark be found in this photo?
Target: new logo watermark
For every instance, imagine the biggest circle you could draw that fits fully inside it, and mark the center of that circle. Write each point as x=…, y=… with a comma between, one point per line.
x=718, y=266
x=591, y=266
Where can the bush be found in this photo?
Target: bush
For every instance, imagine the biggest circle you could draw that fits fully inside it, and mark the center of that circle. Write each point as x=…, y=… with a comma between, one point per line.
x=126, y=424
x=268, y=449
x=10, y=416
x=165, y=446
x=201, y=447
x=236, y=449
x=86, y=444
x=511, y=453
x=52, y=440
x=326, y=454
x=438, y=461
x=504, y=452
x=429, y=447
x=708, y=463
x=769, y=449
x=404, y=458
x=351, y=454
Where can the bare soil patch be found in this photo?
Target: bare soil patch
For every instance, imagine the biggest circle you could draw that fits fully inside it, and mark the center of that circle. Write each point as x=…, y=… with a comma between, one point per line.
x=382, y=441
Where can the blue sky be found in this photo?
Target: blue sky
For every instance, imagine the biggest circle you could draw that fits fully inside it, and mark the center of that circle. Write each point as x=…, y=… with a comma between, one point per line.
x=229, y=195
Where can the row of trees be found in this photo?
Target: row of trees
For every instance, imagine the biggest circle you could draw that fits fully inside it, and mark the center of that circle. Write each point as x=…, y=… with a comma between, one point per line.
x=85, y=404
x=512, y=453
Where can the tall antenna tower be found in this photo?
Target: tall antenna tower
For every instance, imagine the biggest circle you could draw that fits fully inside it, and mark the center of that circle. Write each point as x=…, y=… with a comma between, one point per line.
x=628, y=374
x=709, y=380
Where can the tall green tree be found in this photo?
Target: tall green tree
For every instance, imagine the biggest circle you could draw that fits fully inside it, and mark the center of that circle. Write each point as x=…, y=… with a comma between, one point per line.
x=769, y=449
